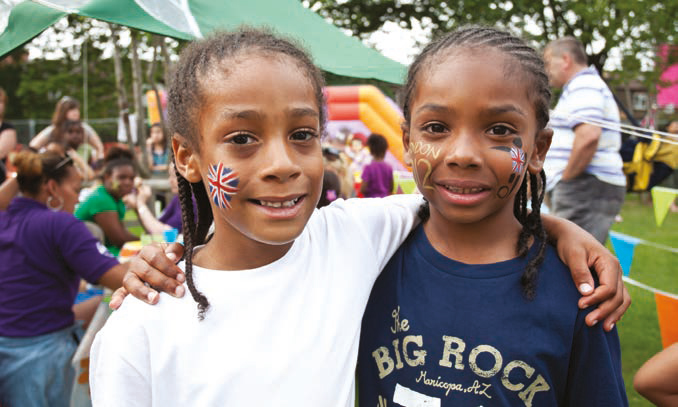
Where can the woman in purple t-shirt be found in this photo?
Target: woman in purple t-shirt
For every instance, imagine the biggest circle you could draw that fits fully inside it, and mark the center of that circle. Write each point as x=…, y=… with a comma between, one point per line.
x=377, y=176
x=45, y=251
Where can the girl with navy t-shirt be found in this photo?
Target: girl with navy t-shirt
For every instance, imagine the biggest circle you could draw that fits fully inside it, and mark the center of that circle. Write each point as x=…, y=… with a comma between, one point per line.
x=475, y=308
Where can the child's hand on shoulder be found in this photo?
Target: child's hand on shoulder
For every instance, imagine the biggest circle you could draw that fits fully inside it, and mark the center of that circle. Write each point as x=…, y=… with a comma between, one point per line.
x=153, y=268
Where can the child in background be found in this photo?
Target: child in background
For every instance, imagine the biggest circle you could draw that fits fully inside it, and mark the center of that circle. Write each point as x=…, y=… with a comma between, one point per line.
x=377, y=176
x=475, y=308
x=104, y=206
x=157, y=149
x=280, y=299
x=355, y=150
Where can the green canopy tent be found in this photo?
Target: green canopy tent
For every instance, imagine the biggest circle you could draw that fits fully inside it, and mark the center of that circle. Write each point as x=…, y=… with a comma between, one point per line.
x=332, y=50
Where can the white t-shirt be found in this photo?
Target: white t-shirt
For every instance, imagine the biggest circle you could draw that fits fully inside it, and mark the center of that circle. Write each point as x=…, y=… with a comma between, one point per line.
x=285, y=334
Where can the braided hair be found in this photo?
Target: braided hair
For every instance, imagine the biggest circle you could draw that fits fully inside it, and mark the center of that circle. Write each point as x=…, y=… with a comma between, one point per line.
x=196, y=62
x=532, y=67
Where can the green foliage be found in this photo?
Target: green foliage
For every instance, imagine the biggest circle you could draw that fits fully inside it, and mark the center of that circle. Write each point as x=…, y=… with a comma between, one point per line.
x=35, y=86
x=632, y=28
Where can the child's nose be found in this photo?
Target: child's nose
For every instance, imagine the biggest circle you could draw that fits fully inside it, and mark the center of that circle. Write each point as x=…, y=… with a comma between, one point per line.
x=462, y=149
x=279, y=162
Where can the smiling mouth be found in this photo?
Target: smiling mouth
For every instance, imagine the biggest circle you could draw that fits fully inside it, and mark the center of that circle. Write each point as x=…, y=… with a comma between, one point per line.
x=463, y=191
x=278, y=204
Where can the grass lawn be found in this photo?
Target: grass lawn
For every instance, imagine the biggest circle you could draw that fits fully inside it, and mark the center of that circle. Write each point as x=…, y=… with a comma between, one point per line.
x=639, y=328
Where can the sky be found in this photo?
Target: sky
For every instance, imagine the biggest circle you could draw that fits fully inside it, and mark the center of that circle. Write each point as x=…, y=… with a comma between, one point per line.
x=398, y=43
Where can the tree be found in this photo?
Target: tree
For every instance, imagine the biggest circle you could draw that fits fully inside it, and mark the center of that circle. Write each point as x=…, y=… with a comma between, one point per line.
x=77, y=48
x=633, y=29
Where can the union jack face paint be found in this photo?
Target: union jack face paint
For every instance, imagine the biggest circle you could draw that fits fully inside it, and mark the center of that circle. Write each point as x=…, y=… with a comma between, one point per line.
x=517, y=159
x=223, y=183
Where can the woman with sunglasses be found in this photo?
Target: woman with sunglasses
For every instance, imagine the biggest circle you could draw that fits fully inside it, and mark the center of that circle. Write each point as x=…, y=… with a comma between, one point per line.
x=45, y=252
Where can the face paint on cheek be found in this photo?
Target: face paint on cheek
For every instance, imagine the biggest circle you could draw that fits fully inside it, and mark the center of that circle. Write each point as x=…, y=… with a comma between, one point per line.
x=425, y=149
x=517, y=160
x=425, y=179
x=223, y=183
x=115, y=185
x=517, y=167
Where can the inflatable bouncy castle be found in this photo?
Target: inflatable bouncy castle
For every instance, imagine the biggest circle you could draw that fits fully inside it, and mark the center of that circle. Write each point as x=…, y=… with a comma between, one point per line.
x=365, y=109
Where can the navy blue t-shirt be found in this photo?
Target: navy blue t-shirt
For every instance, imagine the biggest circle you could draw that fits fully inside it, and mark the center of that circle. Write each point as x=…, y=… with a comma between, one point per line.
x=437, y=332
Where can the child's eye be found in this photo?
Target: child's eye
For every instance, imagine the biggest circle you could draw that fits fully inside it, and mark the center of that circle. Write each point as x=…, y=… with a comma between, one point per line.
x=435, y=128
x=501, y=130
x=241, y=138
x=303, y=135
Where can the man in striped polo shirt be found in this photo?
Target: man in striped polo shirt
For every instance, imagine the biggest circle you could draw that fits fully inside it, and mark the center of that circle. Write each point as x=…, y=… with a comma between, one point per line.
x=584, y=177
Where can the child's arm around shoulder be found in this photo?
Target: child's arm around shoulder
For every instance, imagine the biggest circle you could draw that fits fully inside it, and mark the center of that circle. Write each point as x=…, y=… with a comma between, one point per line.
x=119, y=359
x=581, y=252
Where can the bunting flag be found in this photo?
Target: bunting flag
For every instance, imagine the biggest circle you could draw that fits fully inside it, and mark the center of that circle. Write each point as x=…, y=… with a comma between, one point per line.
x=661, y=199
x=624, y=247
x=667, y=311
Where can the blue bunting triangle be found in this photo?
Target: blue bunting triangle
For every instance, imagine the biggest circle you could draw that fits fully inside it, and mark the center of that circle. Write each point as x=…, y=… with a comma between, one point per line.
x=624, y=246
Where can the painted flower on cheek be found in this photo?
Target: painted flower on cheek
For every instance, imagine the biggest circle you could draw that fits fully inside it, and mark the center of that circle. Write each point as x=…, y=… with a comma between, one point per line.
x=223, y=183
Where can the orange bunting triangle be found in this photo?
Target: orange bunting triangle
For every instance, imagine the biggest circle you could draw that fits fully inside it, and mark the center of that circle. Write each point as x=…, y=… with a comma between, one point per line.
x=667, y=313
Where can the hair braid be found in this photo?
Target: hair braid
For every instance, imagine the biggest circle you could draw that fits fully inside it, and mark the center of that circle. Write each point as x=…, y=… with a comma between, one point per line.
x=532, y=226
x=188, y=225
x=520, y=212
x=205, y=216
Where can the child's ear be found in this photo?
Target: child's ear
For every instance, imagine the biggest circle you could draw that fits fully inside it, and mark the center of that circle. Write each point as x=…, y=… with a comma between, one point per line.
x=407, y=158
x=186, y=159
x=541, y=146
